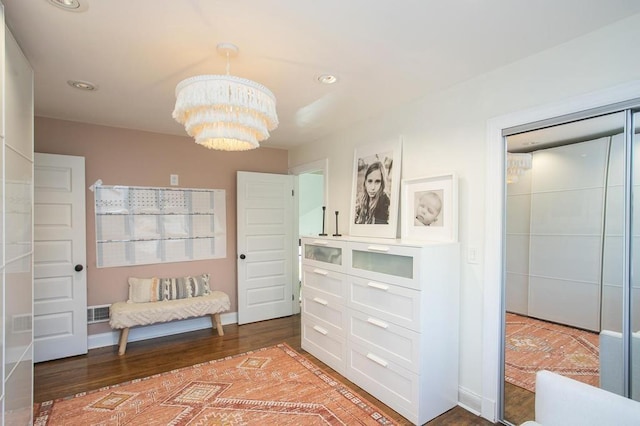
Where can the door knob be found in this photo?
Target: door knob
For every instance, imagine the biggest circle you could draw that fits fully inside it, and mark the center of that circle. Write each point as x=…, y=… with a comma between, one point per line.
x=78, y=268
x=242, y=256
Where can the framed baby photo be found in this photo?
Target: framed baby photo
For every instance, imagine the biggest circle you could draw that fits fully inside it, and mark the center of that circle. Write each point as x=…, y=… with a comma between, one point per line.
x=375, y=191
x=430, y=208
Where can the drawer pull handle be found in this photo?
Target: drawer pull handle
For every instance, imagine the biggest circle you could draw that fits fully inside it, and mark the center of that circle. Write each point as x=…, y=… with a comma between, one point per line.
x=321, y=243
x=377, y=323
x=378, y=248
x=378, y=286
x=320, y=330
x=320, y=301
x=377, y=360
x=320, y=272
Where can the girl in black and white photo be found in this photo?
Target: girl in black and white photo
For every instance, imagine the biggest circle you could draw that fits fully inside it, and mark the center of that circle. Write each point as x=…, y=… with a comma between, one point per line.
x=372, y=206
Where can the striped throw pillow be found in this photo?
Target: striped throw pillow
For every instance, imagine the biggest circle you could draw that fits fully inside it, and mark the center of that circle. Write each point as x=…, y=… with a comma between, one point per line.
x=184, y=287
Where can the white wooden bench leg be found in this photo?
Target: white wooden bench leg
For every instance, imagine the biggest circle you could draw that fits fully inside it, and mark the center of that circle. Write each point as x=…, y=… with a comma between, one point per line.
x=215, y=321
x=122, y=343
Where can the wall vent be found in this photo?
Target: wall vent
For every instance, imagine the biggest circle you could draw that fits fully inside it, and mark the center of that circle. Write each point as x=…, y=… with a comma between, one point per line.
x=97, y=314
x=21, y=323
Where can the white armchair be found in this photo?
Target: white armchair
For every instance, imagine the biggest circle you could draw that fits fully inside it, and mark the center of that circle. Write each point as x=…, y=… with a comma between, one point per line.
x=561, y=401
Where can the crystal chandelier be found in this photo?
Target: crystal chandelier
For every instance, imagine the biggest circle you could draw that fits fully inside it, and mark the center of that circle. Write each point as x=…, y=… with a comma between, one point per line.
x=225, y=112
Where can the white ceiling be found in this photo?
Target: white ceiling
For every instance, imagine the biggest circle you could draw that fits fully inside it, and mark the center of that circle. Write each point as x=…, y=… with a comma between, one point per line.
x=384, y=53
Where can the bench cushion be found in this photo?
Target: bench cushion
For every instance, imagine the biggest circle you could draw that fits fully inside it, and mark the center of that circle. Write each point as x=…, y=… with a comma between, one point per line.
x=125, y=315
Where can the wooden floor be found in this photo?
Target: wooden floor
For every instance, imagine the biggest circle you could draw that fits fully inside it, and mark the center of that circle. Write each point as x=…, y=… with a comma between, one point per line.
x=518, y=404
x=103, y=366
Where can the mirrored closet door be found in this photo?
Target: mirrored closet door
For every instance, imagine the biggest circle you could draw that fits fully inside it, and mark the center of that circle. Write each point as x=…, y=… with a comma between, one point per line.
x=634, y=316
x=566, y=291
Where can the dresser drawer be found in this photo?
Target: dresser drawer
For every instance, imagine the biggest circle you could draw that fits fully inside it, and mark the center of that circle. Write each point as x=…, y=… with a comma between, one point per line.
x=321, y=342
x=389, y=302
x=325, y=254
x=389, y=263
x=395, y=343
x=327, y=281
x=396, y=386
x=326, y=310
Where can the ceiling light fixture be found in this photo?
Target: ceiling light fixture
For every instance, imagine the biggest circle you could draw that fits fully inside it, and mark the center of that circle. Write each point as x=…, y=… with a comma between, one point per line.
x=225, y=112
x=517, y=164
x=82, y=85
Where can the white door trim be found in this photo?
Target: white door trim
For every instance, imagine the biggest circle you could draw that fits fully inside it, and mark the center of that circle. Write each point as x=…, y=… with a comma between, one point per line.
x=314, y=166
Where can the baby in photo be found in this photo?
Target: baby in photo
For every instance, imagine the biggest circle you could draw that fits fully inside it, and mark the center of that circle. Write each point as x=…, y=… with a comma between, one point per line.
x=428, y=206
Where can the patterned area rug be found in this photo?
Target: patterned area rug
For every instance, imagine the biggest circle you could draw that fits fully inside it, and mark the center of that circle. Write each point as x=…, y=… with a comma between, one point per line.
x=533, y=345
x=270, y=386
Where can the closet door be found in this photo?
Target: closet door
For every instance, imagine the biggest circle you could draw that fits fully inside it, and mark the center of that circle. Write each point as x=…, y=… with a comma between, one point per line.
x=567, y=209
x=619, y=342
x=614, y=236
x=634, y=344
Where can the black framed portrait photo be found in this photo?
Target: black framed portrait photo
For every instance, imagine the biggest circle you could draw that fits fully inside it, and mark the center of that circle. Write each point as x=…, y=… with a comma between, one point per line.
x=375, y=190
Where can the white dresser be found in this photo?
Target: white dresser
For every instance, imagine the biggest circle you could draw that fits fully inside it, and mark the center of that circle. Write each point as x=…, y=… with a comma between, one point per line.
x=384, y=314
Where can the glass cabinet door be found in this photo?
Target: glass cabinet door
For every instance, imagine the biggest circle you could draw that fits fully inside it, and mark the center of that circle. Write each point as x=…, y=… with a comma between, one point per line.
x=319, y=251
x=383, y=263
x=393, y=264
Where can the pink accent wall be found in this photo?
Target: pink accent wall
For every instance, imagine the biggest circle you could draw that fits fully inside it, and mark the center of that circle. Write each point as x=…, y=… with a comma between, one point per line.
x=136, y=158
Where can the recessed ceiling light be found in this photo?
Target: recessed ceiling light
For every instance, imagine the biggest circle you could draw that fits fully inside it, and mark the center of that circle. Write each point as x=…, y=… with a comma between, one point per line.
x=70, y=5
x=327, y=79
x=67, y=4
x=82, y=85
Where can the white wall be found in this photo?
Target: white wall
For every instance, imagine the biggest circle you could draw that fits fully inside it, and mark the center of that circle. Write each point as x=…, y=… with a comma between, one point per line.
x=447, y=131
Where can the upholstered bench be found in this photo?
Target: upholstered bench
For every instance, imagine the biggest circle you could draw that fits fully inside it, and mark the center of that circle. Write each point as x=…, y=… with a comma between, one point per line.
x=157, y=300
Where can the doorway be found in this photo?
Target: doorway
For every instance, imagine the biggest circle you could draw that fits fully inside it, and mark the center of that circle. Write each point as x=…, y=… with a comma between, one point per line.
x=311, y=187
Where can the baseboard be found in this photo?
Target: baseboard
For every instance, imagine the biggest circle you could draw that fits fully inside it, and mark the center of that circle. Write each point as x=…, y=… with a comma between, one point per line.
x=469, y=400
x=158, y=330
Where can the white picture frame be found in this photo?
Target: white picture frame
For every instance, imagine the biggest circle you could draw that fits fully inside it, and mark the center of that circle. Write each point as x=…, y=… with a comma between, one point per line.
x=376, y=218
x=430, y=208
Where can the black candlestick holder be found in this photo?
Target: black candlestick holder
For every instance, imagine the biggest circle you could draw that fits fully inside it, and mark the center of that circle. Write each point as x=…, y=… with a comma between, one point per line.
x=337, y=234
x=324, y=209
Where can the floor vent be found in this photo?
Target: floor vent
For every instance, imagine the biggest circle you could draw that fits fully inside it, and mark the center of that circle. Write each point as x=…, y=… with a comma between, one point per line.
x=98, y=314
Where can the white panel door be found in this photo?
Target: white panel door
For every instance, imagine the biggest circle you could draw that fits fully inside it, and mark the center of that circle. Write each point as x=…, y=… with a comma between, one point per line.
x=60, y=277
x=265, y=243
